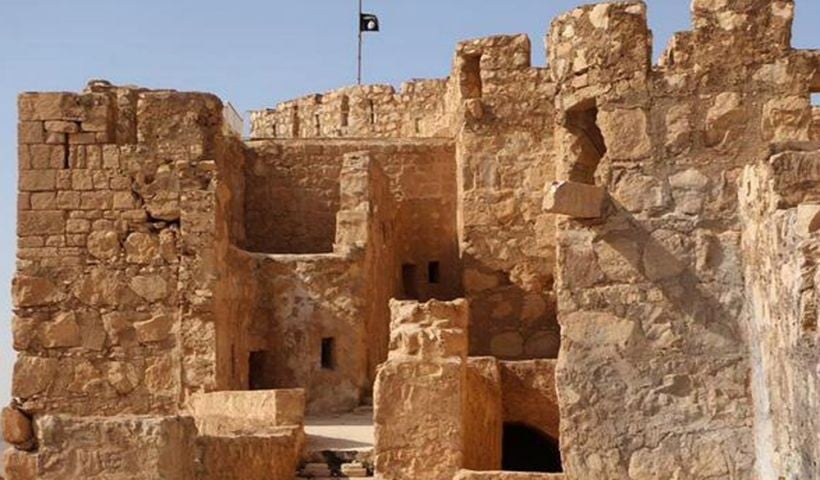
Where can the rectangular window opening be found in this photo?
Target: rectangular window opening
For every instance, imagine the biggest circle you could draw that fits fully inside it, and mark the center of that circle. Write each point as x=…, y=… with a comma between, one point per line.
x=372, y=108
x=815, y=99
x=259, y=368
x=433, y=272
x=470, y=76
x=408, y=281
x=317, y=124
x=328, y=353
x=345, y=120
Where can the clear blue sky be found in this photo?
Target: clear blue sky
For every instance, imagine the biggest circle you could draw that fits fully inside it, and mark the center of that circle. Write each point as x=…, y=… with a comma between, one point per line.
x=252, y=53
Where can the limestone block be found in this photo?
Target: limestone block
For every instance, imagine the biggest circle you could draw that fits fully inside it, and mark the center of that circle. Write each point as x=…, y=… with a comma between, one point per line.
x=141, y=248
x=150, y=287
x=787, y=119
x=263, y=408
x=689, y=190
x=30, y=291
x=637, y=192
x=104, y=245
x=116, y=448
x=625, y=133
x=45, y=159
x=17, y=429
x=62, y=332
x=156, y=329
x=246, y=457
x=50, y=106
x=577, y=200
x=33, y=375
x=123, y=376
x=30, y=132
x=414, y=440
x=41, y=222
x=428, y=330
x=678, y=128
x=725, y=118
x=665, y=255
x=24, y=330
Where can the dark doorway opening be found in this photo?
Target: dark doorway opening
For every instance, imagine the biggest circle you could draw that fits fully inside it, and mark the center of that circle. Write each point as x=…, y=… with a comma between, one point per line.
x=526, y=449
x=260, y=364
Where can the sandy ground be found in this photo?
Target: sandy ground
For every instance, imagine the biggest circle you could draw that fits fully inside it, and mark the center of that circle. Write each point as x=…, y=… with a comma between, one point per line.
x=349, y=431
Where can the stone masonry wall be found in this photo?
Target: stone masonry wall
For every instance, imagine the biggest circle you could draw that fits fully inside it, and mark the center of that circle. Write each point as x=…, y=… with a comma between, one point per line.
x=106, y=238
x=298, y=209
x=420, y=109
x=650, y=295
x=504, y=159
x=779, y=206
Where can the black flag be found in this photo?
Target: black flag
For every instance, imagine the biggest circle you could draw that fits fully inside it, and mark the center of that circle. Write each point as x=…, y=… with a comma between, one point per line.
x=368, y=23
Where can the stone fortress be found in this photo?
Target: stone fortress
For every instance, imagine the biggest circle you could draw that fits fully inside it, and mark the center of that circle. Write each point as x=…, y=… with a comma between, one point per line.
x=603, y=269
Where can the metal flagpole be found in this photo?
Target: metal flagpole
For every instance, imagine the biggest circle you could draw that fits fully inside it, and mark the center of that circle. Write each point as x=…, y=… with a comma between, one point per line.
x=359, y=26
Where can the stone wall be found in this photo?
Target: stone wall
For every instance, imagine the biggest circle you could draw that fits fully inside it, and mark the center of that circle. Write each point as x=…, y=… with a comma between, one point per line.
x=110, y=248
x=779, y=208
x=650, y=295
x=420, y=109
x=504, y=160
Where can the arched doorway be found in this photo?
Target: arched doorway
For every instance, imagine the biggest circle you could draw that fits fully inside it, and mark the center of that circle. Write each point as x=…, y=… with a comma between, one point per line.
x=526, y=449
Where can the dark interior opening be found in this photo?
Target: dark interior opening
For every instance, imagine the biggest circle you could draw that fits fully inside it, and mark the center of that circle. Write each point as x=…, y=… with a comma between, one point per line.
x=471, y=76
x=294, y=129
x=372, y=108
x=408, y=281
x=328, y=353
x=345, y=120
x=317, y=125
x=526, y=449
x=433, y=272
x=258, y=378
x=587, y=143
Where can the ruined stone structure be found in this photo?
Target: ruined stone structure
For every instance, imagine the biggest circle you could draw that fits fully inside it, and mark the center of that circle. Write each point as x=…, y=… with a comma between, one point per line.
x=597, y=270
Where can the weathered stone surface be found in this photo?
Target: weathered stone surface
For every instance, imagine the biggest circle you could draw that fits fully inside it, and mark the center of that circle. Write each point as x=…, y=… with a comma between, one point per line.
x=17, y=429
x=673, y=272
x=576, y=200
x=62, y=332
x=422, y=373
